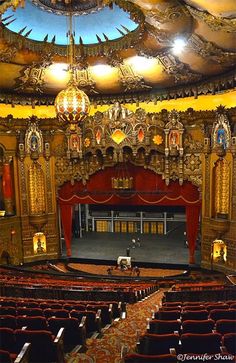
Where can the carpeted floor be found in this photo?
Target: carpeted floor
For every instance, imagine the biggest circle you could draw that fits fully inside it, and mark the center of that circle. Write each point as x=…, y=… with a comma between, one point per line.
x=122, y=333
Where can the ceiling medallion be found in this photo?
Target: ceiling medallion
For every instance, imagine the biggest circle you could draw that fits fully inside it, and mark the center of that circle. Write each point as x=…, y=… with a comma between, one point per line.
x=76, y=7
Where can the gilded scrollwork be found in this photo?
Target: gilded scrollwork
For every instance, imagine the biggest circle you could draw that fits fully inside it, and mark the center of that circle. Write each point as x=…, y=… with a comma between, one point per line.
x=119, y=135
x=215, y=23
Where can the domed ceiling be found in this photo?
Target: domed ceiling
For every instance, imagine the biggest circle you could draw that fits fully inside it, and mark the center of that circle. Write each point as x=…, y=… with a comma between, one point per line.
x=153, y=48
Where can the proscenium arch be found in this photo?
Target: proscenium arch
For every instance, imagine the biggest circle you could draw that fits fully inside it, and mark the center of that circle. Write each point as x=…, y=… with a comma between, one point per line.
x=149, y=189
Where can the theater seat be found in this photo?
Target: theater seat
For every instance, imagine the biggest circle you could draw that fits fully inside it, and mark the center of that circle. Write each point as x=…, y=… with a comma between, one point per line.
x=195, y=315
x=224, y=326
x=229, y=341
x=7, y=310
x=74, y=332
x=163, y=326
x=198, y=326
x=44, y=348
x=32, y=322
x=223, y=314
x=7, y=339
x=5, y=357
x=22, y=357
x=92, y=322
x=167, y=315
x=143, y=358
x=58, y=313
x=8, y=321
x=156, y=344
x=30, y=311
x=201, y=343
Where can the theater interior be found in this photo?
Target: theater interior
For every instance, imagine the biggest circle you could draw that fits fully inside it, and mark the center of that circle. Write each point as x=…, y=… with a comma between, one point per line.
x=117, y=181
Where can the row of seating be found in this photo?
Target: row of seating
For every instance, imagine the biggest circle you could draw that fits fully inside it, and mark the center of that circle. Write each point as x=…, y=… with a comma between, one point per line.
x=188, y=331
x=7, y=306
x=215, y=314
x=222, y=326
x=40, y=279
x=44, y=345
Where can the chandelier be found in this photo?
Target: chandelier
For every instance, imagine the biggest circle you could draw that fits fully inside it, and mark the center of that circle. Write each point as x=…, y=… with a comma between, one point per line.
x=72, y=104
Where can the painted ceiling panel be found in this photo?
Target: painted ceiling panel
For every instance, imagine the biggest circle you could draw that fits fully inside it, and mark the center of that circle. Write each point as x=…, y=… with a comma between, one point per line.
x=86, y=26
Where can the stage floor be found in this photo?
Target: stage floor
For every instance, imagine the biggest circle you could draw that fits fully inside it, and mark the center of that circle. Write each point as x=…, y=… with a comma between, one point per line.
x=168, y=249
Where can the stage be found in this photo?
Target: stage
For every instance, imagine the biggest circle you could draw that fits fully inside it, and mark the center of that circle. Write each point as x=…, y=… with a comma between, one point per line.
x=167, y=249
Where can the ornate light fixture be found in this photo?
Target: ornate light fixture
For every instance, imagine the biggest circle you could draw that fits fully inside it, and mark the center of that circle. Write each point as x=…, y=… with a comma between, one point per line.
x=72, y=104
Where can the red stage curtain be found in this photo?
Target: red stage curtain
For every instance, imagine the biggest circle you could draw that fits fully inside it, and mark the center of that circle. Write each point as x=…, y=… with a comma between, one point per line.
x=192, y=221
x=66, y=218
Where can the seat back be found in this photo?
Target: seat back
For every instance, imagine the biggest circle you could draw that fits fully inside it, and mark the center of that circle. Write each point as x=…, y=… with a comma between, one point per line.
x=198, y=326
x=195, y=315
x=167, y=315
x=42, y=349
x=201, y=343
x=163, y=326
x=5, y=356
x=7, y=339
x=32, y=322
x=144, y=358
x=58, y=313
x=224, y=326
x=218, y=314
x=8, y=321
x=155, y=344
x=218, y=306
x=30, y=311
x=72, y=336
x=7, y=310
x=229, y=341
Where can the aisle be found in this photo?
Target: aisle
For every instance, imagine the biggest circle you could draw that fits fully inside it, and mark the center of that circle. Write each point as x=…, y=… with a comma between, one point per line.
x=124, y=332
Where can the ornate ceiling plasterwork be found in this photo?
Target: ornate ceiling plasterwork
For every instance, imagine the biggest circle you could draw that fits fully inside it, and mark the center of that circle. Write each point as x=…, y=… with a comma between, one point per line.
x=207, y=63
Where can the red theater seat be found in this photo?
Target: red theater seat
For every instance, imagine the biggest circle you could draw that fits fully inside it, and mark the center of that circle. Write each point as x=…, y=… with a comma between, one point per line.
x=8, y=321
x=7, y=310
x=167, y=315
x=74, y=332
x=5, y=357
x=92, y=322
x=195, y=315
x=143, y=358
x=156, y=344
x=223, y=314
x=201, y=343
x=163, y=326
x=225, y=326
x=58, y=313
x=198, y=326
x=44, y=348
x=30, y=311
x=32, y=322
x=229, y=341
x=7, y=339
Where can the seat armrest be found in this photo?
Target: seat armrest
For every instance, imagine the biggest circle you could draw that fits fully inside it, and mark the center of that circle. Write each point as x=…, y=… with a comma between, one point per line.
x=82, y=332
x=172, y=351
x=23, y=356
x=99, y=321
x=176, y=332
x=59, y=343
x=60, y=336
x=223, y=349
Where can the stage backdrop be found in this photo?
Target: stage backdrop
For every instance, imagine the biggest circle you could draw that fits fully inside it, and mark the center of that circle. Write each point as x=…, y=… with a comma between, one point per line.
x=149, y=189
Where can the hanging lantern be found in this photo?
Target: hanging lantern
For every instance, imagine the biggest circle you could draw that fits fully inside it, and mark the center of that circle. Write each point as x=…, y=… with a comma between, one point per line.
x=72, y=104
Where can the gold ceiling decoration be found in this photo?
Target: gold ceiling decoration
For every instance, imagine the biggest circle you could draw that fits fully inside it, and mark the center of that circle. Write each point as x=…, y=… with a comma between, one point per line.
x=206, y=65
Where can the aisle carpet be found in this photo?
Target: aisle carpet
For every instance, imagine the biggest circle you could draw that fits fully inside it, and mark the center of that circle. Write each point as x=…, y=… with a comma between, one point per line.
x=121, y=333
